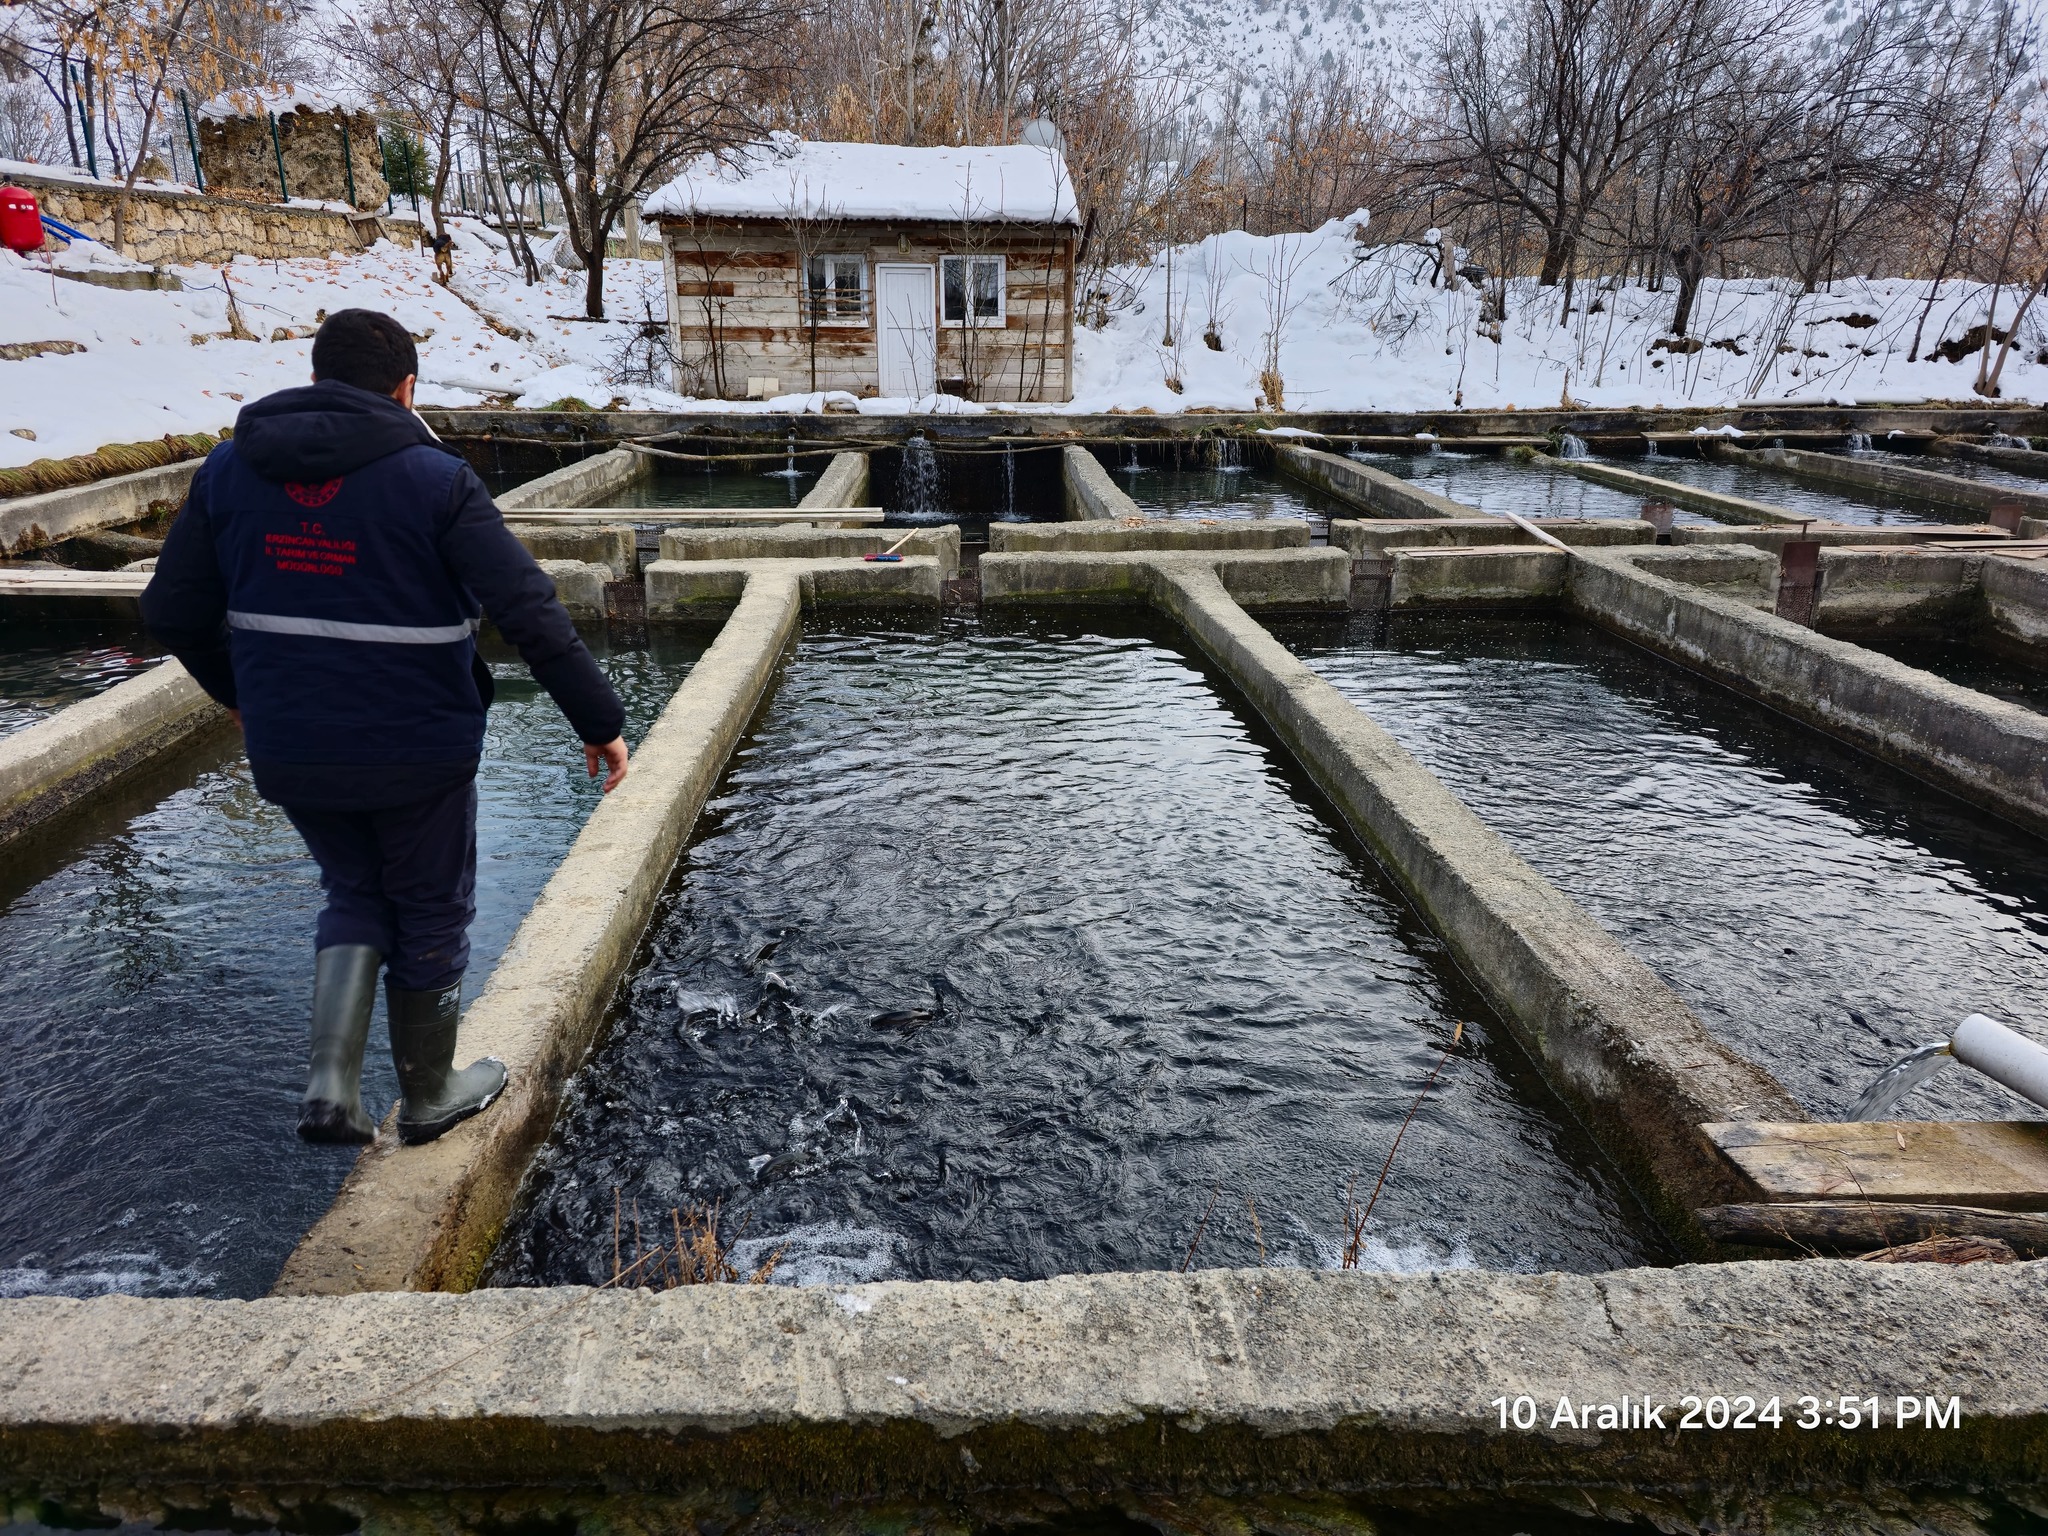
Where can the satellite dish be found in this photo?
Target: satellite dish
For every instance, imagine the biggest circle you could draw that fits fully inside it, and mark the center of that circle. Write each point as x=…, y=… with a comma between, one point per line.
x=1041, y=133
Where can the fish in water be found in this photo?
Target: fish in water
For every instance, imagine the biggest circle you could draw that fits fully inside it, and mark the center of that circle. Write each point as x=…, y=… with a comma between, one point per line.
x=905, y=1021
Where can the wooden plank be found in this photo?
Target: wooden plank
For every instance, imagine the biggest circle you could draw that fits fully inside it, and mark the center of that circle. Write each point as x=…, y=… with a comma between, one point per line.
x=695, y=290
x=1858, y=1226
x=2001, y=1164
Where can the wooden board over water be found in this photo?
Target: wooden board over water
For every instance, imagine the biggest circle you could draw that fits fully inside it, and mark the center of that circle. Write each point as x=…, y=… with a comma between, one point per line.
x=2002, y=1164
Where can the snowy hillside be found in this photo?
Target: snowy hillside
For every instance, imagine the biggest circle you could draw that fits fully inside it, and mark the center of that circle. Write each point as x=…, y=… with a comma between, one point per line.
x=1371, y=335
x=1352, y=335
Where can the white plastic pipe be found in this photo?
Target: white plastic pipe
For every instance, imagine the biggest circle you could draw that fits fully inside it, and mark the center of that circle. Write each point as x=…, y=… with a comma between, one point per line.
x=2003, y=1055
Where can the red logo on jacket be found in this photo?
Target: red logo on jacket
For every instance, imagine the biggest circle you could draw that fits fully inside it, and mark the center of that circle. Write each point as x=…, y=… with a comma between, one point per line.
x=312, y=495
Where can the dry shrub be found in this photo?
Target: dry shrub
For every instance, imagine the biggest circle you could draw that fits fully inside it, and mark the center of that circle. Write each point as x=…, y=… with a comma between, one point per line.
x=698, y=1253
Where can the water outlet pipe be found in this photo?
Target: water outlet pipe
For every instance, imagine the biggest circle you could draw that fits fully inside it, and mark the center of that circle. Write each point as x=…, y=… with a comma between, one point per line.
x=2004, y=1055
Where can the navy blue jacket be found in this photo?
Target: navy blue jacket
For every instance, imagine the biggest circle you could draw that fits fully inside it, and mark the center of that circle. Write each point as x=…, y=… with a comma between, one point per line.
x=326, y=574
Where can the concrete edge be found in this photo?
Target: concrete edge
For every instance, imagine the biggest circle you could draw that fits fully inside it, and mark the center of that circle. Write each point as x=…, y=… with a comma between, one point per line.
x=1728, y=509
x=940, y=542
x=1097, y=1389
x=1091, y=494
x=843, y=484
x=30, y=522
x=1104, y=536
x=686, y=591
x=50, y=766
x=1372, y=491
x=426, y=1218
x=1287, y=580
x=586, y=483
x=1921, y=484
x=1985, y=750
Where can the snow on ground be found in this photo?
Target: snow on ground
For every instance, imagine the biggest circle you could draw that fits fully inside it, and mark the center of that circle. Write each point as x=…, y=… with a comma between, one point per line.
x=1359, y=330
x=164, y=362
x=1362, y=329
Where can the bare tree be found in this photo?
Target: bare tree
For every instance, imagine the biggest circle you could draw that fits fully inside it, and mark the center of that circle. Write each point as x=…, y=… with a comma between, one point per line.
x=417, y=59
x=614, y=96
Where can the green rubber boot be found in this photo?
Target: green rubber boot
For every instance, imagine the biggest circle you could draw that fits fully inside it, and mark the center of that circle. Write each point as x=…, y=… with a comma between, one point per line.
x=435, y=1096
x=344, y=989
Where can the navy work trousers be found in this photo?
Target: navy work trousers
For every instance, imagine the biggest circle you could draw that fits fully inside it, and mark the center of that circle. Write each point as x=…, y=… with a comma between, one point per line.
x=401, y=880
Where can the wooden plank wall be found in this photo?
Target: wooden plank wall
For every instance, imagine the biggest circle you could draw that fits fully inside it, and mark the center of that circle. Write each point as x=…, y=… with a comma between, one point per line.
x=734, y=311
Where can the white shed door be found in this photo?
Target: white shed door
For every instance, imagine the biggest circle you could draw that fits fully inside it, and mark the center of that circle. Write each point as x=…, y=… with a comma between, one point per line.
x=906, y=330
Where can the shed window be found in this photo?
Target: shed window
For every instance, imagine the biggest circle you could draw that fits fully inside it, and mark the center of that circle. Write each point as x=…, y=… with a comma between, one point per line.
x=971, y=290
x=837, y=290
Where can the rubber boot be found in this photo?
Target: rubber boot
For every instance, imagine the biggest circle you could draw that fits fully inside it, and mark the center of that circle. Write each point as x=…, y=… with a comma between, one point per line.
x=435, y=1096
x=344, y=989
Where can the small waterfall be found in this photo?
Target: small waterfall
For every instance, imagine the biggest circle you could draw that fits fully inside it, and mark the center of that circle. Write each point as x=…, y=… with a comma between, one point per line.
x=1900, y=1079
x=1435, y=449
x=1571, y=447
x=2000, y=440
x=920, y=495
x=1009, y=483
x=1130, y=465
x=1650, y=449
x=789, y=471
x=1229, y=455
x=1859, y=442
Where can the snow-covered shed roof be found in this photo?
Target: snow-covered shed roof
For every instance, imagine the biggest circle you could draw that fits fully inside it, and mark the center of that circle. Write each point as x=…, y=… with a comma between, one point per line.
x=1011, y=183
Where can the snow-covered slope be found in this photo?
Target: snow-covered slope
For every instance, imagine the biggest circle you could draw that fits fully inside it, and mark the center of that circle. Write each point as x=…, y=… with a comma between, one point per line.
x=1371, y=334
x=1358, y=329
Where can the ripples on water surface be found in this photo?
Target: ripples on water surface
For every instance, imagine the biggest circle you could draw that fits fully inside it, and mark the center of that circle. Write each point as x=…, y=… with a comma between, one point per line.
x=682, y=487
x=1196, y=494
x=1804, y=498
x=44, y=669
x=159, y=955
x=1493, y=482
x=997, y=950
x=1820, y=912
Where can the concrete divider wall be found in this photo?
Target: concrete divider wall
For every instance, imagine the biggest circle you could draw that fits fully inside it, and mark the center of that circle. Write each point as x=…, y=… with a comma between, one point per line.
x=1287, y=580
x=586, y=483
x=1372, y=491
x=426, y=1218
x=1920, y=484
x=1981, y=748
x=692, y=591
x=1622, y=1048
x=29, y=522
x=843, y=484
x=1748, y=575
x=1897, y=588
x=611, y=545
x=55, y=763
x=1512, y=576
x=1090, y=491
x=2014, y=602
x=1373, y=540
x=1159, y=533
x=580, y=587
x=808, y=543
x=1185, y=1398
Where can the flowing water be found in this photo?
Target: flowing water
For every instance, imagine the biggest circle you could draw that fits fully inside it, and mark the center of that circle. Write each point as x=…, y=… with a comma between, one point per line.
x=1206, y=495
x=1492, y=482
x=43, y=668
x=680, y=486
x=1804, y=498
x=921, y=485
x=1910, y=1071
x=160, y=953
x=1820, y=912
x=998, y=950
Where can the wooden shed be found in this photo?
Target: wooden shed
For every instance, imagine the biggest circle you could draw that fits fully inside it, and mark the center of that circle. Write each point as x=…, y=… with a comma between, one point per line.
x=876, y=269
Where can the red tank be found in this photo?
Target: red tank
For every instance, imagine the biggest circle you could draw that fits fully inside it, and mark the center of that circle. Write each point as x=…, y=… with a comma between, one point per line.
x=21, y=221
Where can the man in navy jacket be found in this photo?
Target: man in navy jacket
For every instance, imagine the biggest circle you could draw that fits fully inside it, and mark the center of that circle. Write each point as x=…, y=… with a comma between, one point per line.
x=324, y=582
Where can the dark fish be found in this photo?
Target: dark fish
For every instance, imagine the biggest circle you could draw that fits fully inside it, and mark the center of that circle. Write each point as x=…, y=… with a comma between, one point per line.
x=906, y=1021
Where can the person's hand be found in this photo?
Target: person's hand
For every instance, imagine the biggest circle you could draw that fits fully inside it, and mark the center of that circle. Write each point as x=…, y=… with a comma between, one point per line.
x=236, y=716
x=611, y=756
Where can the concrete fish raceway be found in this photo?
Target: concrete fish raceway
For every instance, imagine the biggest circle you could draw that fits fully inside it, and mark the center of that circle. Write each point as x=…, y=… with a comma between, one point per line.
x=1775, y=1380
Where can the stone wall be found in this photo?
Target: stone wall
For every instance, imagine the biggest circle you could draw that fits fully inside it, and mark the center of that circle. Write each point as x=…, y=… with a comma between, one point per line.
x=187, y=227
x=237, y=156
